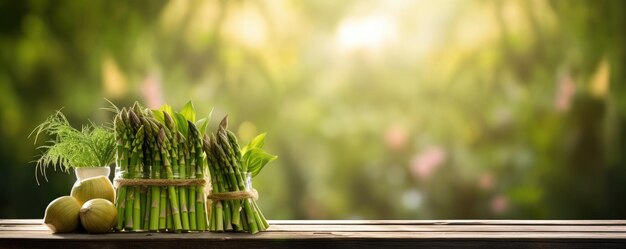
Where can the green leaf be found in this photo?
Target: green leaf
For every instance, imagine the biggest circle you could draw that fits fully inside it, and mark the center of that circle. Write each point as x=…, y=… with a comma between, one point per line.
x=202, y=124
x=181, y=122
x=256, y=159
x=167, y=108
x=159, y=116
x=189, y=112
x=257, y=142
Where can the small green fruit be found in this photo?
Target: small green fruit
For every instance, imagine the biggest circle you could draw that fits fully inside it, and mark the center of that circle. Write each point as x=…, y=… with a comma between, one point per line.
x=98, y=216
x=62, y=214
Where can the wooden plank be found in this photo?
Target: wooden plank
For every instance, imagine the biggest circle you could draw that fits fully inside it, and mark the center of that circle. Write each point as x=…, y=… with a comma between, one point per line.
x=34, y=226
x=342, y=234
x=35, y=234
x=306, y=240
x=405, y=222
x=305, y=244
x=46, y=235
x=20, y=221
x=452, y=222
x=448, y=228
x=398, y=228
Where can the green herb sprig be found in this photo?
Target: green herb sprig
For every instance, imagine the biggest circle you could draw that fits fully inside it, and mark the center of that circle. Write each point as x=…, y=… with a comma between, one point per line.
x=92, y=146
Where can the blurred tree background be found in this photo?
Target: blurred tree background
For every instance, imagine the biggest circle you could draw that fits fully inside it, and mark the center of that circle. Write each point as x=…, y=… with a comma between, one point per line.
x=377, y=109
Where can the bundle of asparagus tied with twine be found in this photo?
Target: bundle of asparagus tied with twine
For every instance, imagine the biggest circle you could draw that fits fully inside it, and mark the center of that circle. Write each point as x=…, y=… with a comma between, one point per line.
x=231, y=168
x=160, y=170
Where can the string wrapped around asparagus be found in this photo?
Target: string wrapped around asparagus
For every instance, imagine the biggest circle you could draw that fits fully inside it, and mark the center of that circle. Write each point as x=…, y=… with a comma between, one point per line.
x=230, y=176
x=150, y=145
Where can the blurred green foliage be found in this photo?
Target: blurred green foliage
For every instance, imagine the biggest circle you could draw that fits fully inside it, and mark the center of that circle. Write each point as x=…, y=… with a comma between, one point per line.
x=377, y=109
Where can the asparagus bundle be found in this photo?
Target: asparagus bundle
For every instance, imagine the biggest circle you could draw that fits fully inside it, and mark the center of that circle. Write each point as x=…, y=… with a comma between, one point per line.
x=151, y=144
x=231, y=169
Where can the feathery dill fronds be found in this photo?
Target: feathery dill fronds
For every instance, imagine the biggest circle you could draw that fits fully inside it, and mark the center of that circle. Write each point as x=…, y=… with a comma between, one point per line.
x=92, y=146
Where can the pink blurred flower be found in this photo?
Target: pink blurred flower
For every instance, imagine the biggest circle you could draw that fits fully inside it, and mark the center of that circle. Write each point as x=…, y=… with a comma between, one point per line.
x=486, y=181
x=424, y=164
x=396, y=137
x=566, y=88
x=499, y=204
x=151, y=91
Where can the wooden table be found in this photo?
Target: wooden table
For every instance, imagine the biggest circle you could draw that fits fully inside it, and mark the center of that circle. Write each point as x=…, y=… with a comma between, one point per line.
x=344, y=234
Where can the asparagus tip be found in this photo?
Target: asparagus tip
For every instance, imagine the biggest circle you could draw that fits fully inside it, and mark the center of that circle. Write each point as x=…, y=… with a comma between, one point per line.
x=224, y=123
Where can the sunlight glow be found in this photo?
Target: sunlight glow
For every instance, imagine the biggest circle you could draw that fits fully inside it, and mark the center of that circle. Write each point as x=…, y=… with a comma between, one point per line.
x=370, y=33
x=246, y=26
